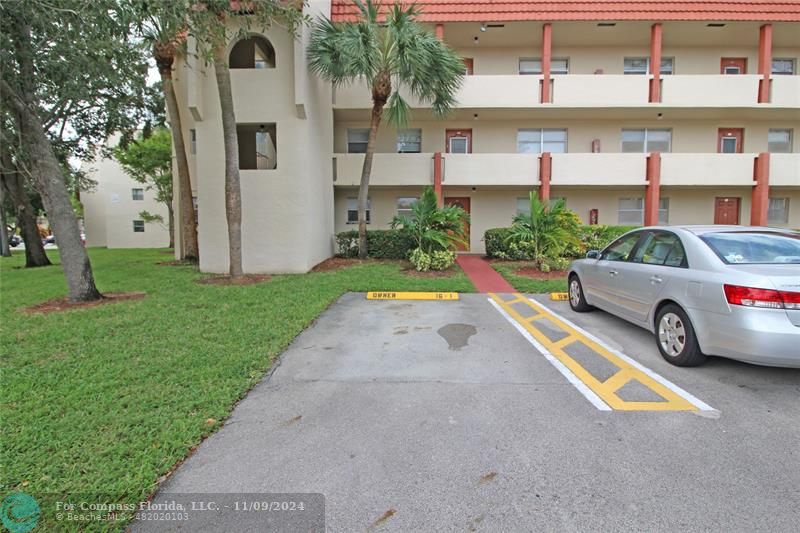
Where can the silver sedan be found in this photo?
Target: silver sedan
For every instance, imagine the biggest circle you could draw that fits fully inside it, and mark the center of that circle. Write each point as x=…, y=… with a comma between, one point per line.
x=731, y=291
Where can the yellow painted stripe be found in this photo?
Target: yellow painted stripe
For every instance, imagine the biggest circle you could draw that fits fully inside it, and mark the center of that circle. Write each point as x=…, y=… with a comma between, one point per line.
x=559, y=296
x=607, y=390
x=393, y=295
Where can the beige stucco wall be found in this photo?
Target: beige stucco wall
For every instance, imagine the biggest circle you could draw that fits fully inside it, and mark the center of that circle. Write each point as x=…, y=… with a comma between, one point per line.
x=109, y=210
x=287, y=218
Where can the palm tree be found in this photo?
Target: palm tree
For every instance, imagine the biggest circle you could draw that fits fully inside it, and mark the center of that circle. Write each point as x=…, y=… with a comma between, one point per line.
x=548, y=230
x=433, y=228
x=164, y=25
x=386, y=54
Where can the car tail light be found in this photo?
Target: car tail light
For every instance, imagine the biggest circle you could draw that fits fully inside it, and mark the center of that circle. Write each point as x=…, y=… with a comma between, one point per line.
x=764, y=298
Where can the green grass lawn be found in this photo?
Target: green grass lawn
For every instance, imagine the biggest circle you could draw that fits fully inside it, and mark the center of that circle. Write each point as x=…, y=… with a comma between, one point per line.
x=508, y=269
x=105, y=400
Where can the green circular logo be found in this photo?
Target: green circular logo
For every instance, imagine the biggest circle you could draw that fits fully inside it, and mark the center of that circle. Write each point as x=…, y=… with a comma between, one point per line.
x=19, y=512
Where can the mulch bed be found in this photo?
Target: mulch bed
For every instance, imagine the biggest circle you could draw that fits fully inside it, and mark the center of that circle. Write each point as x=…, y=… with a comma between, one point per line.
x=63, y=304
x=248, y=279
x=535, y=273
x=414, y=273
x=337, y=263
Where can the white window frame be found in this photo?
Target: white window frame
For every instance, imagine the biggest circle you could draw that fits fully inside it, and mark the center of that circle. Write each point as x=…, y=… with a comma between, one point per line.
x=790, y=142
x=352, y=206
x=138, y=224
x=405, y=211
x=663, y=211
x=351, y=131
x=541, y=141
x=137, y=194
x=640, y=210
x=538, y=70
x=784, y=218
x=646, y=141
x=671, y=69
x=409, y=131
x=790, y=60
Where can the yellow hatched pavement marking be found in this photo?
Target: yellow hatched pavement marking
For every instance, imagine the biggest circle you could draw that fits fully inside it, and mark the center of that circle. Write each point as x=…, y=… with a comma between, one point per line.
x=393, y=295
x=607, y=390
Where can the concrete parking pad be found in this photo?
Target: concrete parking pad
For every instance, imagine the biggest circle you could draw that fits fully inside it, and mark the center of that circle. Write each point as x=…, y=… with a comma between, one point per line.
x=439, y=415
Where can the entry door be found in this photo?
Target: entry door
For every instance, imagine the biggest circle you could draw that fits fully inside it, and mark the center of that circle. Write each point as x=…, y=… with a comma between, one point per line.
x=726, y=210
x=730, y=140
x=733, y=65
x=463, y=203
x=458, y=141
x=467, y=65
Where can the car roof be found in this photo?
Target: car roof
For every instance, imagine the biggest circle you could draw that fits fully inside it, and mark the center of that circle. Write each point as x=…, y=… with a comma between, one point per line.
x=701, y=229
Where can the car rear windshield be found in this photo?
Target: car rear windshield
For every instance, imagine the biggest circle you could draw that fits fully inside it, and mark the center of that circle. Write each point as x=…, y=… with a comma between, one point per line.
x=742, y=248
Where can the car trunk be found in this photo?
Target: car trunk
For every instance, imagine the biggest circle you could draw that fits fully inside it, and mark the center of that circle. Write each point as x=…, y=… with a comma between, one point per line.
x=785, y=278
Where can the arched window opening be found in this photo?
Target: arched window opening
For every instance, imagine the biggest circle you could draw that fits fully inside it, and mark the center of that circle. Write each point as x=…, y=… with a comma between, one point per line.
x=253, y=52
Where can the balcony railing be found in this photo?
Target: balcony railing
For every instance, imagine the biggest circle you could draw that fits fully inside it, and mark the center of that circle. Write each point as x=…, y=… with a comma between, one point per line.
x=707, y=169
x=598, y=169
x=702, y=90
x=577, y=90
x=784, y=170
x=491, y=169
x=785, y=91
x=387, y=169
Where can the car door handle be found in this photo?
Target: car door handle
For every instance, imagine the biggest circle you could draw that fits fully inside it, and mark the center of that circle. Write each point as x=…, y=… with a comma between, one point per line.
x=613, y=272
x=655, y=279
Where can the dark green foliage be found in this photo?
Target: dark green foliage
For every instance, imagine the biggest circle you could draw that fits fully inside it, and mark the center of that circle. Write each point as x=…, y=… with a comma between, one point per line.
x=594, y=237
x=382, y=244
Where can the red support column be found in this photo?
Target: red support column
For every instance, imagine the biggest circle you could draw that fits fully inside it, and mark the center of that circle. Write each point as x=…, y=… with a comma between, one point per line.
x=440, y=32
x=652, y=194
x=545, y=173
x=547, y=56
x=764, y=62
x=437, y=178
x=760, y=201
x=655, y=63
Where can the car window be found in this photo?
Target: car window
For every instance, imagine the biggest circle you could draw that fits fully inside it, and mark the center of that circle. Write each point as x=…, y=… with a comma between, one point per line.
x=661, y=248
x=752, y=247
x=620, y=249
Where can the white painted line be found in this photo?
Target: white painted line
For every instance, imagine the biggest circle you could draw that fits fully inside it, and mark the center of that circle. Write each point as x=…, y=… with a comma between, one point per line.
x=702, y=406
x=566, y=372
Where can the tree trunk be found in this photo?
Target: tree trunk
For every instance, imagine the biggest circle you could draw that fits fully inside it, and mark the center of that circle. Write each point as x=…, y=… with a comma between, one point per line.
x=171, y=214
x=233, y=192
x=190, y=249
x=13, y=182
x=5, y=249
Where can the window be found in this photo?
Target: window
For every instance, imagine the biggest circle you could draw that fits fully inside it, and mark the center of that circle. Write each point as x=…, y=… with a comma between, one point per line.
x=783, y=67
x=138, y=226
x=778, y=211
x=779, y=141
x=751, y=247
x=253, y=52
x=661, y=248
x=620, y=249
x=357, y=140
x=663, y=211
x=534, y=66
x=409, y=141
x=631, y=211
x=641, y=65
x=137, y=194
x=646, y=140
x=541, y=140
x=404, y=206
x=352, y=210
x=258, y=146
x=193, y=141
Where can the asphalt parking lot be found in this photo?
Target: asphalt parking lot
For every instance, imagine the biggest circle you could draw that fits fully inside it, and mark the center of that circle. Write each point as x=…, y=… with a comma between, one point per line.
x=432, y=415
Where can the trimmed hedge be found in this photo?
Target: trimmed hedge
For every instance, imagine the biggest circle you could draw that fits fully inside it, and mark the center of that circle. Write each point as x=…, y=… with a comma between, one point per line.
x=381, y=244
x=594, y=237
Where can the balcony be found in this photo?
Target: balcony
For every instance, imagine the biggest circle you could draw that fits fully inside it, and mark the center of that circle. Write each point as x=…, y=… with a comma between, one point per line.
x=599, y=169
x=387, y=169
x=491, y=169
x=784, y=170
x=785, y=91
x=703, y=90
x=707, y=169
x=475, y=92
x=600, y=90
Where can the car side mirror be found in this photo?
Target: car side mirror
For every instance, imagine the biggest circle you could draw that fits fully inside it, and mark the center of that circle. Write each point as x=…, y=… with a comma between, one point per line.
x=593, y=254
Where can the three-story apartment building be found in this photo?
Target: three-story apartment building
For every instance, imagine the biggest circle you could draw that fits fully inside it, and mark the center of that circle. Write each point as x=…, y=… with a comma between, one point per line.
x=560, y=98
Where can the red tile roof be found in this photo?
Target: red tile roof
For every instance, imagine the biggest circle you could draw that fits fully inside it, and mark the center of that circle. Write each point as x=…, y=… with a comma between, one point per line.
x=508, y=10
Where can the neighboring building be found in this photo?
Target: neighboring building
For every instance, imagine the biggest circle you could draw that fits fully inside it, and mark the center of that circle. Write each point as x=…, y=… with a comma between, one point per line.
x=111, y=211
x=561, y=98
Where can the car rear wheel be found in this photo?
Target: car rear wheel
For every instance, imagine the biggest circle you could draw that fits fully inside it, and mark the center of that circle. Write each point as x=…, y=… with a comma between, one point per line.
x=577, y=300
x=676, y=339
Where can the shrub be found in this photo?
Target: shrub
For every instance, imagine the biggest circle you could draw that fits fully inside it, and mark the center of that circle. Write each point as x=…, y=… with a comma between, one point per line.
x=442, y=259
x=495, y=241
x=420, y=260
x=382, y=244
x=547, y=229
x=596, y=237
x=432, y=227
